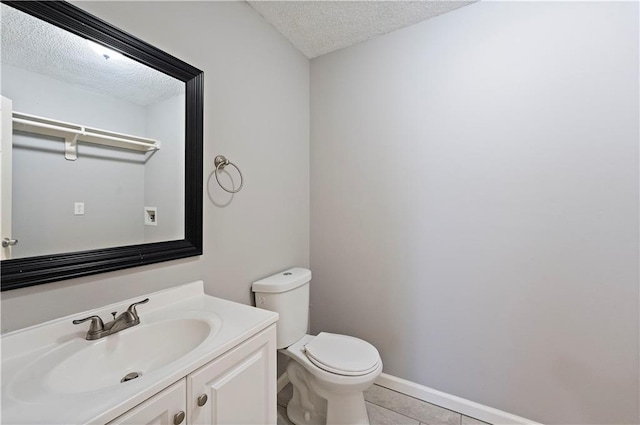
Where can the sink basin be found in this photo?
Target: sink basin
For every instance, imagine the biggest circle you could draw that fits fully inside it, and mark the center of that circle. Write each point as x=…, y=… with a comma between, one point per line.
x=52, y=375
x=136, y=351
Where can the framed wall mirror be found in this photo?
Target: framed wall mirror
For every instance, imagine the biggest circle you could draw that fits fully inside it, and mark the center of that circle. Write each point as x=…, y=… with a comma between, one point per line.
x=101, y=148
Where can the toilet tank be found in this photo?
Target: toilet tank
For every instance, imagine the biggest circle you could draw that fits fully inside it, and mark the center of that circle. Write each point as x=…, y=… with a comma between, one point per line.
x=286, y=293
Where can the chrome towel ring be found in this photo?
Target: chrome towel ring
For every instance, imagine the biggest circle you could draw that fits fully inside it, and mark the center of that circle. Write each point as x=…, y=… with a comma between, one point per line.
x=220, y=162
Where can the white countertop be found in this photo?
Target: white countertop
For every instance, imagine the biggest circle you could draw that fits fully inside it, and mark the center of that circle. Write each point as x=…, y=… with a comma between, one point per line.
x=30, y=396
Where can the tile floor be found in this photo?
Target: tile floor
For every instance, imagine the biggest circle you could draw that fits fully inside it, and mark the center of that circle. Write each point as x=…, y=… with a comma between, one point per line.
x=388, y=407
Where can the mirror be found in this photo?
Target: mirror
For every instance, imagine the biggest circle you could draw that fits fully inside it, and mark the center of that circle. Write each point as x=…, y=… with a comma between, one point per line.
x=105, y=148
x=91, y=195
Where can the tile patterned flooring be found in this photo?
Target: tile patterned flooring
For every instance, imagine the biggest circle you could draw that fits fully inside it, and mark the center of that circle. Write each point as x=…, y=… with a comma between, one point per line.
x=388, y=407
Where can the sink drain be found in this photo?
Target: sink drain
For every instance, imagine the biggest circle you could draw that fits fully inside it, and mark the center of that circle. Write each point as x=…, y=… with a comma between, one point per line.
x=130, y=376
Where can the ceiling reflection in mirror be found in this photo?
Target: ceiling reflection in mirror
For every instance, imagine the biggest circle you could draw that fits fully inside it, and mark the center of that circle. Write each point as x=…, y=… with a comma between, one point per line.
x=98, y=146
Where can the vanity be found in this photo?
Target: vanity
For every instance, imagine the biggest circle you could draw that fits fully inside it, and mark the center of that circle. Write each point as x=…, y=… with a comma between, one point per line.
x=193, y=359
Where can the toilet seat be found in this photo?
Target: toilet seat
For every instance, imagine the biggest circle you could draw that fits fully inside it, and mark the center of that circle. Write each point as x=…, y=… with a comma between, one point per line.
x=342, y=354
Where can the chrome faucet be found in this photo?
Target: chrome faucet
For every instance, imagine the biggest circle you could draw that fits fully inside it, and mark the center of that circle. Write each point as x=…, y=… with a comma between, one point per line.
x=98, y=329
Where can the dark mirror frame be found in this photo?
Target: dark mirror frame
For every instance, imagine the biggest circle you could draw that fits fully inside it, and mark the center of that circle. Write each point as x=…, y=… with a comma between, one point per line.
x=23, y=272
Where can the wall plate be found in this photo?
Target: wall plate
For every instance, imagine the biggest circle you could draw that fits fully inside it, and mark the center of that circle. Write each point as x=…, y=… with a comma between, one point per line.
x=150, y=216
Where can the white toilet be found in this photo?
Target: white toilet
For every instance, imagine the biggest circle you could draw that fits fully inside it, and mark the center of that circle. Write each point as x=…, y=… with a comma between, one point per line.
x=329, y=372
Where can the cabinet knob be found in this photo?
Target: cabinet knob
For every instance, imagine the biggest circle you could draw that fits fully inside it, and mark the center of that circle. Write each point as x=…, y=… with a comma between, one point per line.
x=202, y=400
x=178, y=418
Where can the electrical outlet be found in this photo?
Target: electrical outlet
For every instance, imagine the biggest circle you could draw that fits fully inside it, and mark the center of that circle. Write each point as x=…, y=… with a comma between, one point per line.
x=78, y=208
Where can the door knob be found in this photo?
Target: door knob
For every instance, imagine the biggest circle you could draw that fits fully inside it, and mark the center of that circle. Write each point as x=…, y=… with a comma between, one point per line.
x=9, y=242
x=178, y=418
x=202, y=400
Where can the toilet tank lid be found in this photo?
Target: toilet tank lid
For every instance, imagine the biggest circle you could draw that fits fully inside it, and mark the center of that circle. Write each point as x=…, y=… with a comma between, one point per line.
x=284, y=281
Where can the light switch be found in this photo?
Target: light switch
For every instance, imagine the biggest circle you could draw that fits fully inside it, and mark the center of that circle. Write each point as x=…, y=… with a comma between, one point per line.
x=78, y=208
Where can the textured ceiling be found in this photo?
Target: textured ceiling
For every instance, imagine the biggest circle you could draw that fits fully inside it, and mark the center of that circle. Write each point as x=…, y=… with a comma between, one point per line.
x=319, y=27
x=32, y=44
x=314, y=27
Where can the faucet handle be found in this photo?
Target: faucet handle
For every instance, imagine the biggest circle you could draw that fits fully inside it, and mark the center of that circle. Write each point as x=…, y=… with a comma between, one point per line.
x=132, y=308
x=96, y=323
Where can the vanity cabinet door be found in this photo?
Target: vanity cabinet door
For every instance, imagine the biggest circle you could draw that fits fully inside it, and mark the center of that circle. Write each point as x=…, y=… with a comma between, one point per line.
x=238, y=387
x=168, y=407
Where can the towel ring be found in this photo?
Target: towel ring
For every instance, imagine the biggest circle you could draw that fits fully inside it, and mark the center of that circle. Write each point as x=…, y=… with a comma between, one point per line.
x=220, y=162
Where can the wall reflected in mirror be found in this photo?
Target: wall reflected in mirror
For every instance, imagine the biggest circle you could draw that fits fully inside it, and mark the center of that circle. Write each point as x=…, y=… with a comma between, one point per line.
x=109, y=195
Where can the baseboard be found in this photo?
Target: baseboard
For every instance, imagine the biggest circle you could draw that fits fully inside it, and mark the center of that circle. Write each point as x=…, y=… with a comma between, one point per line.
x=283, y=380
x=451, y=402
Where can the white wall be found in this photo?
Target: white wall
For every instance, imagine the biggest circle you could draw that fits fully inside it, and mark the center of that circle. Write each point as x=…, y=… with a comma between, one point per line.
x=474, y=192
x=48, y=97
x=164, y=171
x=109, y=182
x=256, y=113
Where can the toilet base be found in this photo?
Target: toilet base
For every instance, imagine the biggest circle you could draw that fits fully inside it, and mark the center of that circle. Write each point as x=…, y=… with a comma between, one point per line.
x=312, y=404
x=305, y=407
x=347, y=409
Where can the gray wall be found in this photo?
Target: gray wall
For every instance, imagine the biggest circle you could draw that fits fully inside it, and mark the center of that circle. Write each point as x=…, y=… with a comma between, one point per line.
x=474, y=192
x=164, y=172
x=256, y=113
x=109, y=182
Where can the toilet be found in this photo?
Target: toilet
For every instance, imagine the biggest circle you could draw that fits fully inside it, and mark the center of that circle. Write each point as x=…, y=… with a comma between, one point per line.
x=329, y=372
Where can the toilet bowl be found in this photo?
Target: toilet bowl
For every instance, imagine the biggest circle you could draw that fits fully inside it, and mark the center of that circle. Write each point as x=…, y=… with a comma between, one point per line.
x=329, y=372
x=322, y=366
